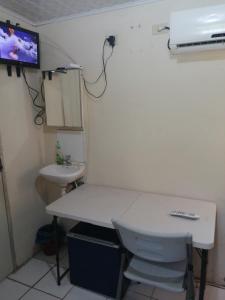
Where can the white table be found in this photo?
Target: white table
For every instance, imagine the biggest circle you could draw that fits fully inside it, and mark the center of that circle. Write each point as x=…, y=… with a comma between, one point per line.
x=150, y=212
x=93, y=204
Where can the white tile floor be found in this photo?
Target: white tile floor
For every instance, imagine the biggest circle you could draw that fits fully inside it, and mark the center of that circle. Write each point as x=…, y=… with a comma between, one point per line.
x=36, y=281
x=27, y=275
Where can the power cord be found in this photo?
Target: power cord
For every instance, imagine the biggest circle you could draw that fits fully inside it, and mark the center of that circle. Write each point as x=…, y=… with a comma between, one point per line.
x=111, y=41
x=163, y=29
x=168, y=44
x=35, y=95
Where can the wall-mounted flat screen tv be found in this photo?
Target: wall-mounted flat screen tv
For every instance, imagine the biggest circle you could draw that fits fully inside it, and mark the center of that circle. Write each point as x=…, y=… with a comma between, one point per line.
x=19, y=46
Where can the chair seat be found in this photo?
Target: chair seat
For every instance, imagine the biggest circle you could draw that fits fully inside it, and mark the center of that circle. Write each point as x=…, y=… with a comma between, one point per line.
x=169, y=276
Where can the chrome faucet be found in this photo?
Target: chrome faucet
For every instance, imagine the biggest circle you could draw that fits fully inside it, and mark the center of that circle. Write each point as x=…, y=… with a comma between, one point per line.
x=67, y=160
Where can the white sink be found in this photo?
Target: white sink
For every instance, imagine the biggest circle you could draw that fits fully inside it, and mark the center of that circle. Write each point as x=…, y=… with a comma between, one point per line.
x=62, y=175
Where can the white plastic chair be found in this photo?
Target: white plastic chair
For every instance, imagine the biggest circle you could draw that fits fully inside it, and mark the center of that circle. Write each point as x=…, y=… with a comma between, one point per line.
x=160, y=260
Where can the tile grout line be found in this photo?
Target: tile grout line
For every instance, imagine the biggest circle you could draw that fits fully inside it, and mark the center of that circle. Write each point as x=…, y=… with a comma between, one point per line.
x=14, y=280
x=20, y=283
x=32, y=286
x=56, y=297
x=36, y=283
x=25, y=293
x=62, y=258
x=68, y=293
x=36, y=289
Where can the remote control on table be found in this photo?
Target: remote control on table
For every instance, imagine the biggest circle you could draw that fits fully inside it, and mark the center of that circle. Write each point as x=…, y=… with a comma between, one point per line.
x=183, y=214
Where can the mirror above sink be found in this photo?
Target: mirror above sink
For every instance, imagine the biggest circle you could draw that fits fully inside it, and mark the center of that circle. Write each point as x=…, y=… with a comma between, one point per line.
x=63, y=99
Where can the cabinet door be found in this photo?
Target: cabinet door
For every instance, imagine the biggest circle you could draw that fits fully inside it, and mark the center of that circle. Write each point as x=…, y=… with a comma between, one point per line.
x=6, y=266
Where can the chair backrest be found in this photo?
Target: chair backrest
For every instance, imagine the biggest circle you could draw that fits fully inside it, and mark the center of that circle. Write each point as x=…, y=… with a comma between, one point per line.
x=153, y=246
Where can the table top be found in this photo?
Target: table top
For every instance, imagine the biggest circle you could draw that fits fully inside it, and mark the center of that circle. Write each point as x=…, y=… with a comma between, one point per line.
x=151, y=213
x=145, y=211
x=93, y=204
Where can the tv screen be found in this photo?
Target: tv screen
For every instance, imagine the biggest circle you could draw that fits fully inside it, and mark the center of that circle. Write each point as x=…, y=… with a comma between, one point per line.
x=19, y=46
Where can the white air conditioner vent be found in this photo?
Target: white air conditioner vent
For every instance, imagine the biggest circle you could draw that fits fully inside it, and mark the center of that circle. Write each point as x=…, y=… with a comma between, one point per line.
x=198, y=29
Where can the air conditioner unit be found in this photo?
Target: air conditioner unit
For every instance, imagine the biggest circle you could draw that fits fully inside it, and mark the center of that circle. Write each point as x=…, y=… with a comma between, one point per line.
x=198, y=29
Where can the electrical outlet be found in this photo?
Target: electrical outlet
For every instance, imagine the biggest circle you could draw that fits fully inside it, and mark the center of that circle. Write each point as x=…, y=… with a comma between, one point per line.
x=160, y=28
x=112, y=40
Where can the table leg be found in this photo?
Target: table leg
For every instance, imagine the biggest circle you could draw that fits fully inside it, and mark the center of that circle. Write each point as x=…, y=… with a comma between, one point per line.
x=204, y=262
x=121, y=276
x=55, y=222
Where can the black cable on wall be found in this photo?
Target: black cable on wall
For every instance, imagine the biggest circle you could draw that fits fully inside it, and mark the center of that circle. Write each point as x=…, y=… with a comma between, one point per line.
x=39, y=118
x=111, y=41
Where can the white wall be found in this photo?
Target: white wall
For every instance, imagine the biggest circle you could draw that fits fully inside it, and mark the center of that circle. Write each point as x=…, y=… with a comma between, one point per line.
x=23, y=154
x=161, y=125
x=73, y=144
x=6, y=264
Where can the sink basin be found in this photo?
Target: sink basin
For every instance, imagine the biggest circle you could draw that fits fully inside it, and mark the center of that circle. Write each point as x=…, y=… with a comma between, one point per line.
x=62, y=175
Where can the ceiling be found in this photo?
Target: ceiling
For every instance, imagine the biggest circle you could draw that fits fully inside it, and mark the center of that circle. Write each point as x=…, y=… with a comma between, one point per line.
x=40, y=11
